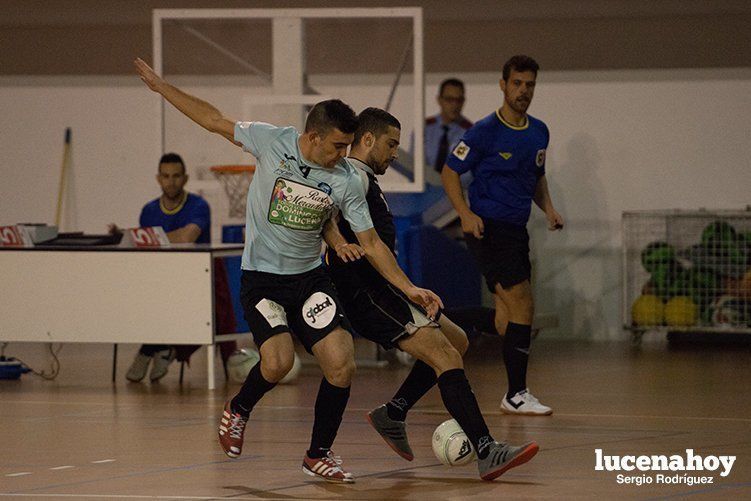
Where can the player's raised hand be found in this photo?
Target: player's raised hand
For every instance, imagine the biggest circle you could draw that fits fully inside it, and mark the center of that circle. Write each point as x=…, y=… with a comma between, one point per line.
x=349, y=252
x=425, y=298
x=147, y=74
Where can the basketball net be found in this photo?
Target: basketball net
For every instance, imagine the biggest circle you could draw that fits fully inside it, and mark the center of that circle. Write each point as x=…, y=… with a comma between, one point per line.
x=236, y=180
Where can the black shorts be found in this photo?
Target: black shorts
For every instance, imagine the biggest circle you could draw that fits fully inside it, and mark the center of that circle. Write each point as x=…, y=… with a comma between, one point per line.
x=305, y=304
x=384, y=315
x=502, y=254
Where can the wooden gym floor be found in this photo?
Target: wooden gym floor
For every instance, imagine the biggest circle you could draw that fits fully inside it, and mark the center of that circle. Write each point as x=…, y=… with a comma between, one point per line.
x=81, y=437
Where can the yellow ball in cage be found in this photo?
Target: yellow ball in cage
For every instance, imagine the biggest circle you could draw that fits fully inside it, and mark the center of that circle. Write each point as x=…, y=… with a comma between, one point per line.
x=648, y=309
x=681, y=311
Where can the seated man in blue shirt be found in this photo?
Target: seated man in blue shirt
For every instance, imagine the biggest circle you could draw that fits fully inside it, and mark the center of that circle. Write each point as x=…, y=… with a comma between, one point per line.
x=185, y=218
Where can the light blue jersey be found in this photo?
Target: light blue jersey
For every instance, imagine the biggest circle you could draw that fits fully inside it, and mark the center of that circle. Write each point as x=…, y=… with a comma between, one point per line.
x=289, y=200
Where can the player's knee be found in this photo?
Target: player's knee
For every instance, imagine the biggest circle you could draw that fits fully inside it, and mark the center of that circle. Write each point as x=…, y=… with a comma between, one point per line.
x=460, y=341
x=453, y=359
x=454, y=356
x=500, y=325
x=274, y=368
x=340, y=373
x=445, y=357
x=521, y=307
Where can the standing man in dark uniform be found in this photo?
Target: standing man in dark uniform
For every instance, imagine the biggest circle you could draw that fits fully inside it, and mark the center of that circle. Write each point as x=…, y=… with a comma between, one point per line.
x=380, y=313
x=443, y=131
x=506, y=153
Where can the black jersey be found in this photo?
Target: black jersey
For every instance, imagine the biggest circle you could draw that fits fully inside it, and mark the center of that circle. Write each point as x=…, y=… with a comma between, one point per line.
x=351, y=277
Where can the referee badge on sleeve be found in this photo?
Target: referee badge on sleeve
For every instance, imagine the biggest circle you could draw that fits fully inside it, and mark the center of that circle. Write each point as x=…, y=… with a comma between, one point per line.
x=461, y=151
x=540, y=158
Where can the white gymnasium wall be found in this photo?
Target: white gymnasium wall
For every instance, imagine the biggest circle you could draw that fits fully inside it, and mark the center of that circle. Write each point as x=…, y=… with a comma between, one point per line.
x=619, y=141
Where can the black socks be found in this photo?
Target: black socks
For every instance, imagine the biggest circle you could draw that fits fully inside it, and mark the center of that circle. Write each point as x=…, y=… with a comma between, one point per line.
x=329, y=410
x=419, y=381
x=516, y=354
x=254, y=387
x=461, y=403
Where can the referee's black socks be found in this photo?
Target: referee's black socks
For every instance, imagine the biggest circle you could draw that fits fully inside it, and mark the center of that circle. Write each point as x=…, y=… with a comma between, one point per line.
x=419, y=381
x=516, y=354
x=254, y=387
x=461, y=403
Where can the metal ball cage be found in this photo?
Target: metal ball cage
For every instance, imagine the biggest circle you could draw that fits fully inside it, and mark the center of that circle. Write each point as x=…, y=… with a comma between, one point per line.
x=686, y=272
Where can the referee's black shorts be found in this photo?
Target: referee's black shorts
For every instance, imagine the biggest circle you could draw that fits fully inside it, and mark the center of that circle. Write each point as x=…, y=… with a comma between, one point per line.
x=384, y=315
x=502, y=253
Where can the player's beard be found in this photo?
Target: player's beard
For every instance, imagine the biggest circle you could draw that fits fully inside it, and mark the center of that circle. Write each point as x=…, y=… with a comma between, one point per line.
x=173, y=195
x=520, y=105
x=378, y=167
x=382, y=167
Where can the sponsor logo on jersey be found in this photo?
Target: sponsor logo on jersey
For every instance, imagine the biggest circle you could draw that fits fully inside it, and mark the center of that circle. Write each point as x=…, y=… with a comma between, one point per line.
x=505, y=154
x=461, y=151
x=325, y=187
x=298, y=206
x=285, y=167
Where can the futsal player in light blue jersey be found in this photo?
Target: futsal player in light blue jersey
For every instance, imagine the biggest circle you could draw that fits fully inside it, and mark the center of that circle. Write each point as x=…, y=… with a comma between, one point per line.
x=505, y=152
x=300, y=181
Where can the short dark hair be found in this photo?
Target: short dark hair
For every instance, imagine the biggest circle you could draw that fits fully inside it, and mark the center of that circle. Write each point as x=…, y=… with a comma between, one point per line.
x=374, y=120
x=520, y=63
x=331, y=114
x=171, y=158
x=454, y=82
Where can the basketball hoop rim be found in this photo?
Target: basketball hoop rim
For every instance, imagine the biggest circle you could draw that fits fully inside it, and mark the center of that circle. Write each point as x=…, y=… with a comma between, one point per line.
x=232, y=169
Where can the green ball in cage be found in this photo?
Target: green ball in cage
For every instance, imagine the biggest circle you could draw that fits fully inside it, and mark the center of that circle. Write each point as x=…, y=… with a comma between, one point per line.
x=657, y=255
x=745, y=238
x=668, y=280
x=737, y=256
x=703, y=286
x=718, y=233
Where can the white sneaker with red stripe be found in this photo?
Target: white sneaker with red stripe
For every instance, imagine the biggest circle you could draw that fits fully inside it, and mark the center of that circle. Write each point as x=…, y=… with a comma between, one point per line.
x=231, y=431
x=328, y=468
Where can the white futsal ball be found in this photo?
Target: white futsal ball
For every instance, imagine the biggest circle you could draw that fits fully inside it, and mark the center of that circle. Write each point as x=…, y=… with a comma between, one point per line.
x=293, y=372
x=451, y=445
x=240, y=363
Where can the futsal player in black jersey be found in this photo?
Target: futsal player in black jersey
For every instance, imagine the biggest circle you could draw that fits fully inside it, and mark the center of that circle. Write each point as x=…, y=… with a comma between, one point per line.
x=383, y=315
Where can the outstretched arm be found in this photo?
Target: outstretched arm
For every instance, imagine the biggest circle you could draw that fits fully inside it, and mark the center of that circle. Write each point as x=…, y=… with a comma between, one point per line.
x=383, y=260
x=201, y=112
